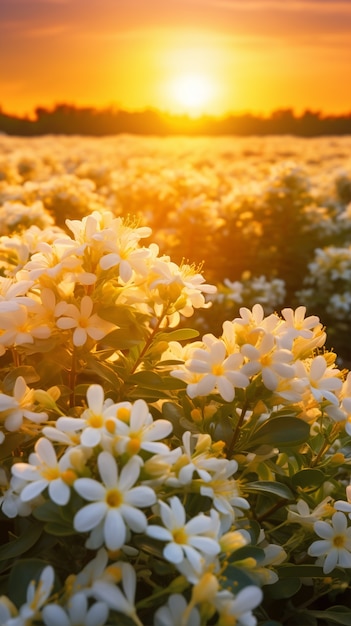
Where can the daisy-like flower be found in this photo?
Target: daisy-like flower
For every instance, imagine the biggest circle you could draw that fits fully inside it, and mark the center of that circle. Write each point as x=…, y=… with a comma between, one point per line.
x=196, y=456
x=323, y=380
x=301, y=513
x=218, y=371
x=76, y=613
x=18, y=406
x=172, y=613
x=19, y=327
x=84, y=322
x=96, y=420
x=121, y=600
x=238, y=609
x=334, y=547
x=269, y=360
x=183, y=282
x=13, y=293
x=297, y=325
x=140, y=431
x=185, y=540
x=224, y=492
x=114, y=503
x=45, y=471
x=37, y=594
x=11, y=503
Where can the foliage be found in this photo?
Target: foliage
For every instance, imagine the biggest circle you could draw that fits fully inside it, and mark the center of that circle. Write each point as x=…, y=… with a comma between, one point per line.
x=152, y=476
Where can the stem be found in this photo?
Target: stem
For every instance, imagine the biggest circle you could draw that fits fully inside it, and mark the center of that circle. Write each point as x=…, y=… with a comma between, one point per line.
x=278, y=505
x=16, y=358
x=147, y=344
x=236, y=431
x=327, y=444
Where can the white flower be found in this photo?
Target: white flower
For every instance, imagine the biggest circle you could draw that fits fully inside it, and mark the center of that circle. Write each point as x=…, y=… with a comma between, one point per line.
x=239, y=608
x=142, y=432
x=107, y=590
x=297, y=325
x=95, y=421
x=184, y=539
x=269, y=360
x=37, y=594
x=11, y=503
x=334, y=548
x=19, y=327
x=85, y=323
x=218, y=371
x=301, y=513
x=323, y=380
x=18, y=406
x=171, y=614
x=197, y=457
x=44, y=470
x=76, y=613
x=224, y=491
x=115, y=503
x=7, y=611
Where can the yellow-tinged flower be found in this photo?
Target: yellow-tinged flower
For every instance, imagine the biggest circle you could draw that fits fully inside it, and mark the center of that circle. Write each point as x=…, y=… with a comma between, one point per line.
x=84, y=322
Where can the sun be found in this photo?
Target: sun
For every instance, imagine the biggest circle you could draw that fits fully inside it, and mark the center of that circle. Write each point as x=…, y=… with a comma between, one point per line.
x=192, y=93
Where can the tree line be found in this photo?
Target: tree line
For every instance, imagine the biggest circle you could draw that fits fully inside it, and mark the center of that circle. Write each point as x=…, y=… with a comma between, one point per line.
x=69, y=119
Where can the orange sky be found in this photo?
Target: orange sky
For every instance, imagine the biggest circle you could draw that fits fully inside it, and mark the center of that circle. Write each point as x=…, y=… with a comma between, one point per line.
x=254, y=55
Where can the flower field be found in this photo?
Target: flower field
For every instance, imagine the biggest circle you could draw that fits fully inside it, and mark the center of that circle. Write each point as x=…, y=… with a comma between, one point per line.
x=175, y=400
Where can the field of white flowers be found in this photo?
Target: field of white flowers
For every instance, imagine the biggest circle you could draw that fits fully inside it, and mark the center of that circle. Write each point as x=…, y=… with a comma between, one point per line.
x=269, y=217
x=175, y=403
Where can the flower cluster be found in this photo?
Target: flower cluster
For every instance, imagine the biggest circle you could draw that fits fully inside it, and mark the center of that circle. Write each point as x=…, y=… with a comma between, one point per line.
x=150, y=476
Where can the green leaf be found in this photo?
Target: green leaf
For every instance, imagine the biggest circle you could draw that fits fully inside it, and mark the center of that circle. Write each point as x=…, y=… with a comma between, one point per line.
x=47, y=512
x=181, y=334
x=104, y=371
x=280, y=432
x=28, y=372
x=26, y=540
x=11, y=442
x=308, y=479
x=147, y=379
x=271, y=487
x=303, y=571
x=283, y=588
x=149, y=545
x=59, y=530
x=247, y=552
x=336, y=615
x=22, y=573
x=235, y=578
x=120, y=340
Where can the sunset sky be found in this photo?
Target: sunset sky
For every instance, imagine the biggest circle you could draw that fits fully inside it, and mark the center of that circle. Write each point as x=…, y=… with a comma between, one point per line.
x=194, y=56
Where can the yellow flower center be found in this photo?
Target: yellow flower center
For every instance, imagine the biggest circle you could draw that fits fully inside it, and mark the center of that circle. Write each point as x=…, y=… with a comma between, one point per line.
x=180, y=536
x=339, y=541
x=114, y=498
x=51, y=473
x=83, y=322
x=133, y=445
x=266, y=360
x=95, y=421
x=110, y=426
x=115, y=572
x=218, y=369
x=123, y=414
x=68, y=477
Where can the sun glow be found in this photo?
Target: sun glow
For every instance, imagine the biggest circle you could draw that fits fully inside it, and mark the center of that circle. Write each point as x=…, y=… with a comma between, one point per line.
x=192, y=93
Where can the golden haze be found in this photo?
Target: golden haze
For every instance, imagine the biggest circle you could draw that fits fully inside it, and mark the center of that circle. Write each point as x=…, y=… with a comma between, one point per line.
x=255, y=56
